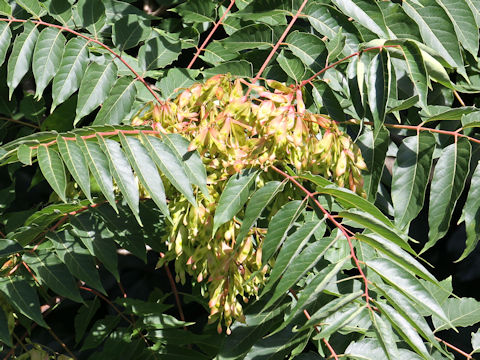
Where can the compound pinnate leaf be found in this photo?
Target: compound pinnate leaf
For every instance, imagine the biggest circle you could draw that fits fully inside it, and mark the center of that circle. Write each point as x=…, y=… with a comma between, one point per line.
x=281, y=222
x=234, y=196
x=447, y=184
x=259, y=200
x=76, y=164
x=122, y=173
x=410, y=176
x=19, y=61
x=96, y=84
x=23, y=297
x=52, y=168
x=119, y=102
x=71, y=71
x=47, y=57
x=145, y=170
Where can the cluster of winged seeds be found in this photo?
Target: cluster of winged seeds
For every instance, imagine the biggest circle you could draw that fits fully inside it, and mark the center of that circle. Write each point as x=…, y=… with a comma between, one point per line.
x=234, y=130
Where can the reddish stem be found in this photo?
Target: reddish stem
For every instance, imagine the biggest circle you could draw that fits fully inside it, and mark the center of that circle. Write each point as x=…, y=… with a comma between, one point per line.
x=174, y=290
x=461, y=352
x=336, y=223
x=63, y=28
x=279, y=42
x=217, y=24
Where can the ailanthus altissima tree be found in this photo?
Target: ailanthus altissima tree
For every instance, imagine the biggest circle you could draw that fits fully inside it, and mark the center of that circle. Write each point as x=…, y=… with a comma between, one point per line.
x=273, y=157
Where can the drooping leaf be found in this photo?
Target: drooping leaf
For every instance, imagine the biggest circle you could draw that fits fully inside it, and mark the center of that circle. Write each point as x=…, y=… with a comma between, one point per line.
x=411, y=173
x=19, y=61
x=76, y=164
x=98, y=165
x=385, y=336
x=122, y=173
x=378, y=86
x=234, y=196
x=47, y=57
x=77, y=259
x=259, y=200
x=191, y=161
x=471, y=213
x=407, y=284
x=53, y=273
x=71, y=71
x=416, y=70
x=374, y=148
x=5, y=38
x=23, y=297
x=447, y=185
x=96, y=84
x=169, y=165
x=339, y=320
x=119, y=102
x=281, y=222
x=52, y=168
x=145, y=170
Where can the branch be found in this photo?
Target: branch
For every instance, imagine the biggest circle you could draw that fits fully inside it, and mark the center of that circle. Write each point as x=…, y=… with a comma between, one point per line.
x=461, y=352
x=63, y=28
x=20, y=122
x=202, y=47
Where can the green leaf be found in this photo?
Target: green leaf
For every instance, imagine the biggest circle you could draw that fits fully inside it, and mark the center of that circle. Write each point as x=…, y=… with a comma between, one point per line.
x=24, y=154
x=257, y=36
x=122, y=173
x=460, y=312
x=463, y=21
x=279, y=226
x=410, y=176
x=416, y=70
x=290, y=250
x=335, y=46
x=71, y=71
x=397, y=105
x=98, y=165
x=4, y=331
x=52, y=168
x=378, y=86
x=157, y=53
x=129, y=30
x=175, y=81
x=61, y=10
x=324, y=96
x=169, y=165
x=436, y=29
x=366, y=349
x=307, y=259
x=374, y=148
x=34, y=7
x=339, y=320
x=234, y=196
x=471, y=213
x=9, y=247
x=53, y=273
x=90, y=14
x=309, y=48
x=312, y=291
x=19, y=61
x=196, y=11
x=396, y=254
x=476, y=342
x=97, y=240
x=5, y=9
x=76, y=164
x=258, y=202
x=292, y=65
x=240, y=68
x=119, y=102
x=23, y=297
x=447, y=184
x=94, y=89
x=99, y=331
x=84, y=316
x=191, y=161
x=5, y=38
x=407, y=284
x=366, y=13
x=47, y=57
x=445, y=113
x=385, y=336
x=145, y=170
x=77, y=259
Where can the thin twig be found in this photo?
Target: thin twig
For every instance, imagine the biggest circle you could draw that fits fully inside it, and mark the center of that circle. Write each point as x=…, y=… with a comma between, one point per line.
x=65, y=347
x=453, y=347
x=279, y=42
x=174, y=290
x=20, y=122
x=460, y=100
x=63, y=28
x=207, y=39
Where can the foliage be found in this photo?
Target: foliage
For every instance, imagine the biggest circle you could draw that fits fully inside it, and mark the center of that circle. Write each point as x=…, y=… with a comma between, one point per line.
x=246, y=185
